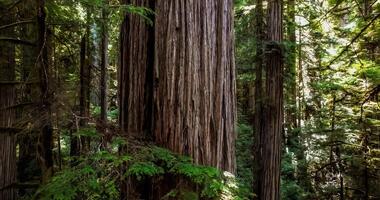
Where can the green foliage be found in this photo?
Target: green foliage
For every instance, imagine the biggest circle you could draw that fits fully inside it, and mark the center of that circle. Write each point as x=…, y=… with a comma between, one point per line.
x=87, y=132
x=290, y=188
x=81, y=182
x=113, y=114
x=372, y=73
x=144, y=169
x=96, y=176
x=244, y=149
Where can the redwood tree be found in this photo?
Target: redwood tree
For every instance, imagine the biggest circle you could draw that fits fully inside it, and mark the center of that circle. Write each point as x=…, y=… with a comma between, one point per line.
x=177, y=79
x=259, y=97
x=273, y=108
x=45, y=139
x=8, y=166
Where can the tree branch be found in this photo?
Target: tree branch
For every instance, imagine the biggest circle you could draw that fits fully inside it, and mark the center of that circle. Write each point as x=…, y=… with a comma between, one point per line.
x=18, y=41
x=353, y=40
x=16, y=23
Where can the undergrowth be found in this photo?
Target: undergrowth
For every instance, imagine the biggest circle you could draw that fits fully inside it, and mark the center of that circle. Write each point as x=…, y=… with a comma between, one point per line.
x=98, y=175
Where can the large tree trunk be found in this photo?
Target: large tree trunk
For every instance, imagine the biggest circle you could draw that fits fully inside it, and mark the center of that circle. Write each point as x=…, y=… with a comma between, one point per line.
x=8, y=166
x=136, y=73
x=136, y=87
x=187, y=66
x=194, y=93
x=27, y=166
x=273, y=110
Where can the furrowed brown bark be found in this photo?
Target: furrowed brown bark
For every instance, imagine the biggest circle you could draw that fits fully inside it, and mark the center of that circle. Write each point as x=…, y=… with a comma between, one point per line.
x=135, y=73
x=8, y=168
x=273, y=109
x=194, y=91
x=135, y=88
x=185, y=63
x=259, y=97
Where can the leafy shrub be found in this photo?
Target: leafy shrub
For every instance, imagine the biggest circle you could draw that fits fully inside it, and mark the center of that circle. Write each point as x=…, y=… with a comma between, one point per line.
x=97, y=176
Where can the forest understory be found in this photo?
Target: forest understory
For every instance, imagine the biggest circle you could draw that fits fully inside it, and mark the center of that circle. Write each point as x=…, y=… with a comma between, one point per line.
x=189, y=99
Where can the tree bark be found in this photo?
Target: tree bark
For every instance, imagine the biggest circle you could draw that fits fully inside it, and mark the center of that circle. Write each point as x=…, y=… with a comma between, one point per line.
x=84, y=99
x=194, y=93
x=103, y=72
x=8, y=168
x=45, y=140
x=136, y=73
x=136, y=88
x=259, y=97
x=29, y=95
x=273, y=110
x=186, y=63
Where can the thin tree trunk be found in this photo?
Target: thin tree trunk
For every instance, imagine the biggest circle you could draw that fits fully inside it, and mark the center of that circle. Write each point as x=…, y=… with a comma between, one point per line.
x=259, y=97
x=273, y=110
x=300, y=84
x=84, y=98
x=103, y=73
x=45, y=143
x=86, y=63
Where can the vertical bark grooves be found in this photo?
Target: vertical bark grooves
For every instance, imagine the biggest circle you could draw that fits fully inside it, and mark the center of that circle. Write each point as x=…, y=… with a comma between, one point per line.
x=194, y=96
x=135, y=68
x=8, y=166
x=136, y=87
x=177, y=79
x=273, y=110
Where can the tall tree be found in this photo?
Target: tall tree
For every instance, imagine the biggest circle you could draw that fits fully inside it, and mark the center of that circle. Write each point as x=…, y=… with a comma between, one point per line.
x=136, y=86
x=273, y=109
x=45, y=140
x=103, y=67
x=194, y=92
x=84, y=97
x=190, y=75
x=259, y=97
x=27, y=166
x=8, y=166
